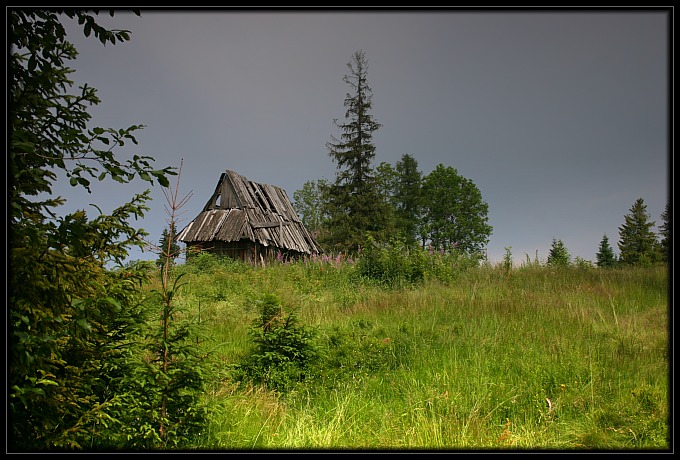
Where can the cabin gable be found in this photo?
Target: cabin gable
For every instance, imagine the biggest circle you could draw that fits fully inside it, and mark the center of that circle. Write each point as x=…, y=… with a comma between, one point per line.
x=249, y=221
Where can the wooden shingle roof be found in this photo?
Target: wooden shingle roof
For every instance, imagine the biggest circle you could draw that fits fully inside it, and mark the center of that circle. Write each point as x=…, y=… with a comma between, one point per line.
x=243, y=209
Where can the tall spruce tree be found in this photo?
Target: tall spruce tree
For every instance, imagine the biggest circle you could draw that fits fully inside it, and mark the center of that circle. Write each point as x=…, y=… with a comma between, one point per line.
x=354, y=206
x=605, y=255
x=637, y=241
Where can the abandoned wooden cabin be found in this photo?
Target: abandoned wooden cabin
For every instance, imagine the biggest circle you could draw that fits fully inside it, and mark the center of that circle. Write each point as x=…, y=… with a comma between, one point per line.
x=249, y=221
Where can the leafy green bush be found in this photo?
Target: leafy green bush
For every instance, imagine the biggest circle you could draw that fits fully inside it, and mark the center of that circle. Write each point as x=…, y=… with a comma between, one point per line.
x=583, y=264
x=393, y=264
x=356, y=353
x=206, y=262
x=200, y=262
x=445, y=265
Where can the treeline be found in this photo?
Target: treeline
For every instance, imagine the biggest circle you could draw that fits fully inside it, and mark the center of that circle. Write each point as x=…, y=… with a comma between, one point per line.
x=443, y=211
x=638, y=244
x=388, y=203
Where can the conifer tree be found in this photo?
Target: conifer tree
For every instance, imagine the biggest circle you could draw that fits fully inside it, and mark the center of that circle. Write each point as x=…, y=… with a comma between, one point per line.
x=558, y=255
x=605, y=254
x=169, y=249
x=386, y=181
x=354, y=205
x=72, y=321
x=165, y=389
x=408, y=198
x=637, y=241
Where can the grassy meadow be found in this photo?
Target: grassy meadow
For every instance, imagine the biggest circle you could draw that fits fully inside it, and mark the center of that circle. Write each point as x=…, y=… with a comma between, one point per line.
x=464, y=359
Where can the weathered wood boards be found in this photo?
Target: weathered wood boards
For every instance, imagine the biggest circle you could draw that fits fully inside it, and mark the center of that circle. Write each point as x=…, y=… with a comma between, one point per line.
x=258, y=217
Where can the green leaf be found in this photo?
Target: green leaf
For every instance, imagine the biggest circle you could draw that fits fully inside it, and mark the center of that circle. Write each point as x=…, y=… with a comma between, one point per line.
x=113, y=302
x=23, y=146
x=84, y=324
x=163, y=181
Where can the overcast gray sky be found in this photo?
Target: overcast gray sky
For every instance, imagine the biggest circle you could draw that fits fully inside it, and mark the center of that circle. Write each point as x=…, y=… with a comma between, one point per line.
x=559, y=117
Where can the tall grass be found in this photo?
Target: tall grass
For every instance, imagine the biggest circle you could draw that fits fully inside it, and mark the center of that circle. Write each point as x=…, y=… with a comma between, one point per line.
x=486, y=358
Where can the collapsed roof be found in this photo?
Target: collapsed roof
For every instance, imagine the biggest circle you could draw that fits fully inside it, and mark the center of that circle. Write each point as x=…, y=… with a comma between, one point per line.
x=241, y=209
